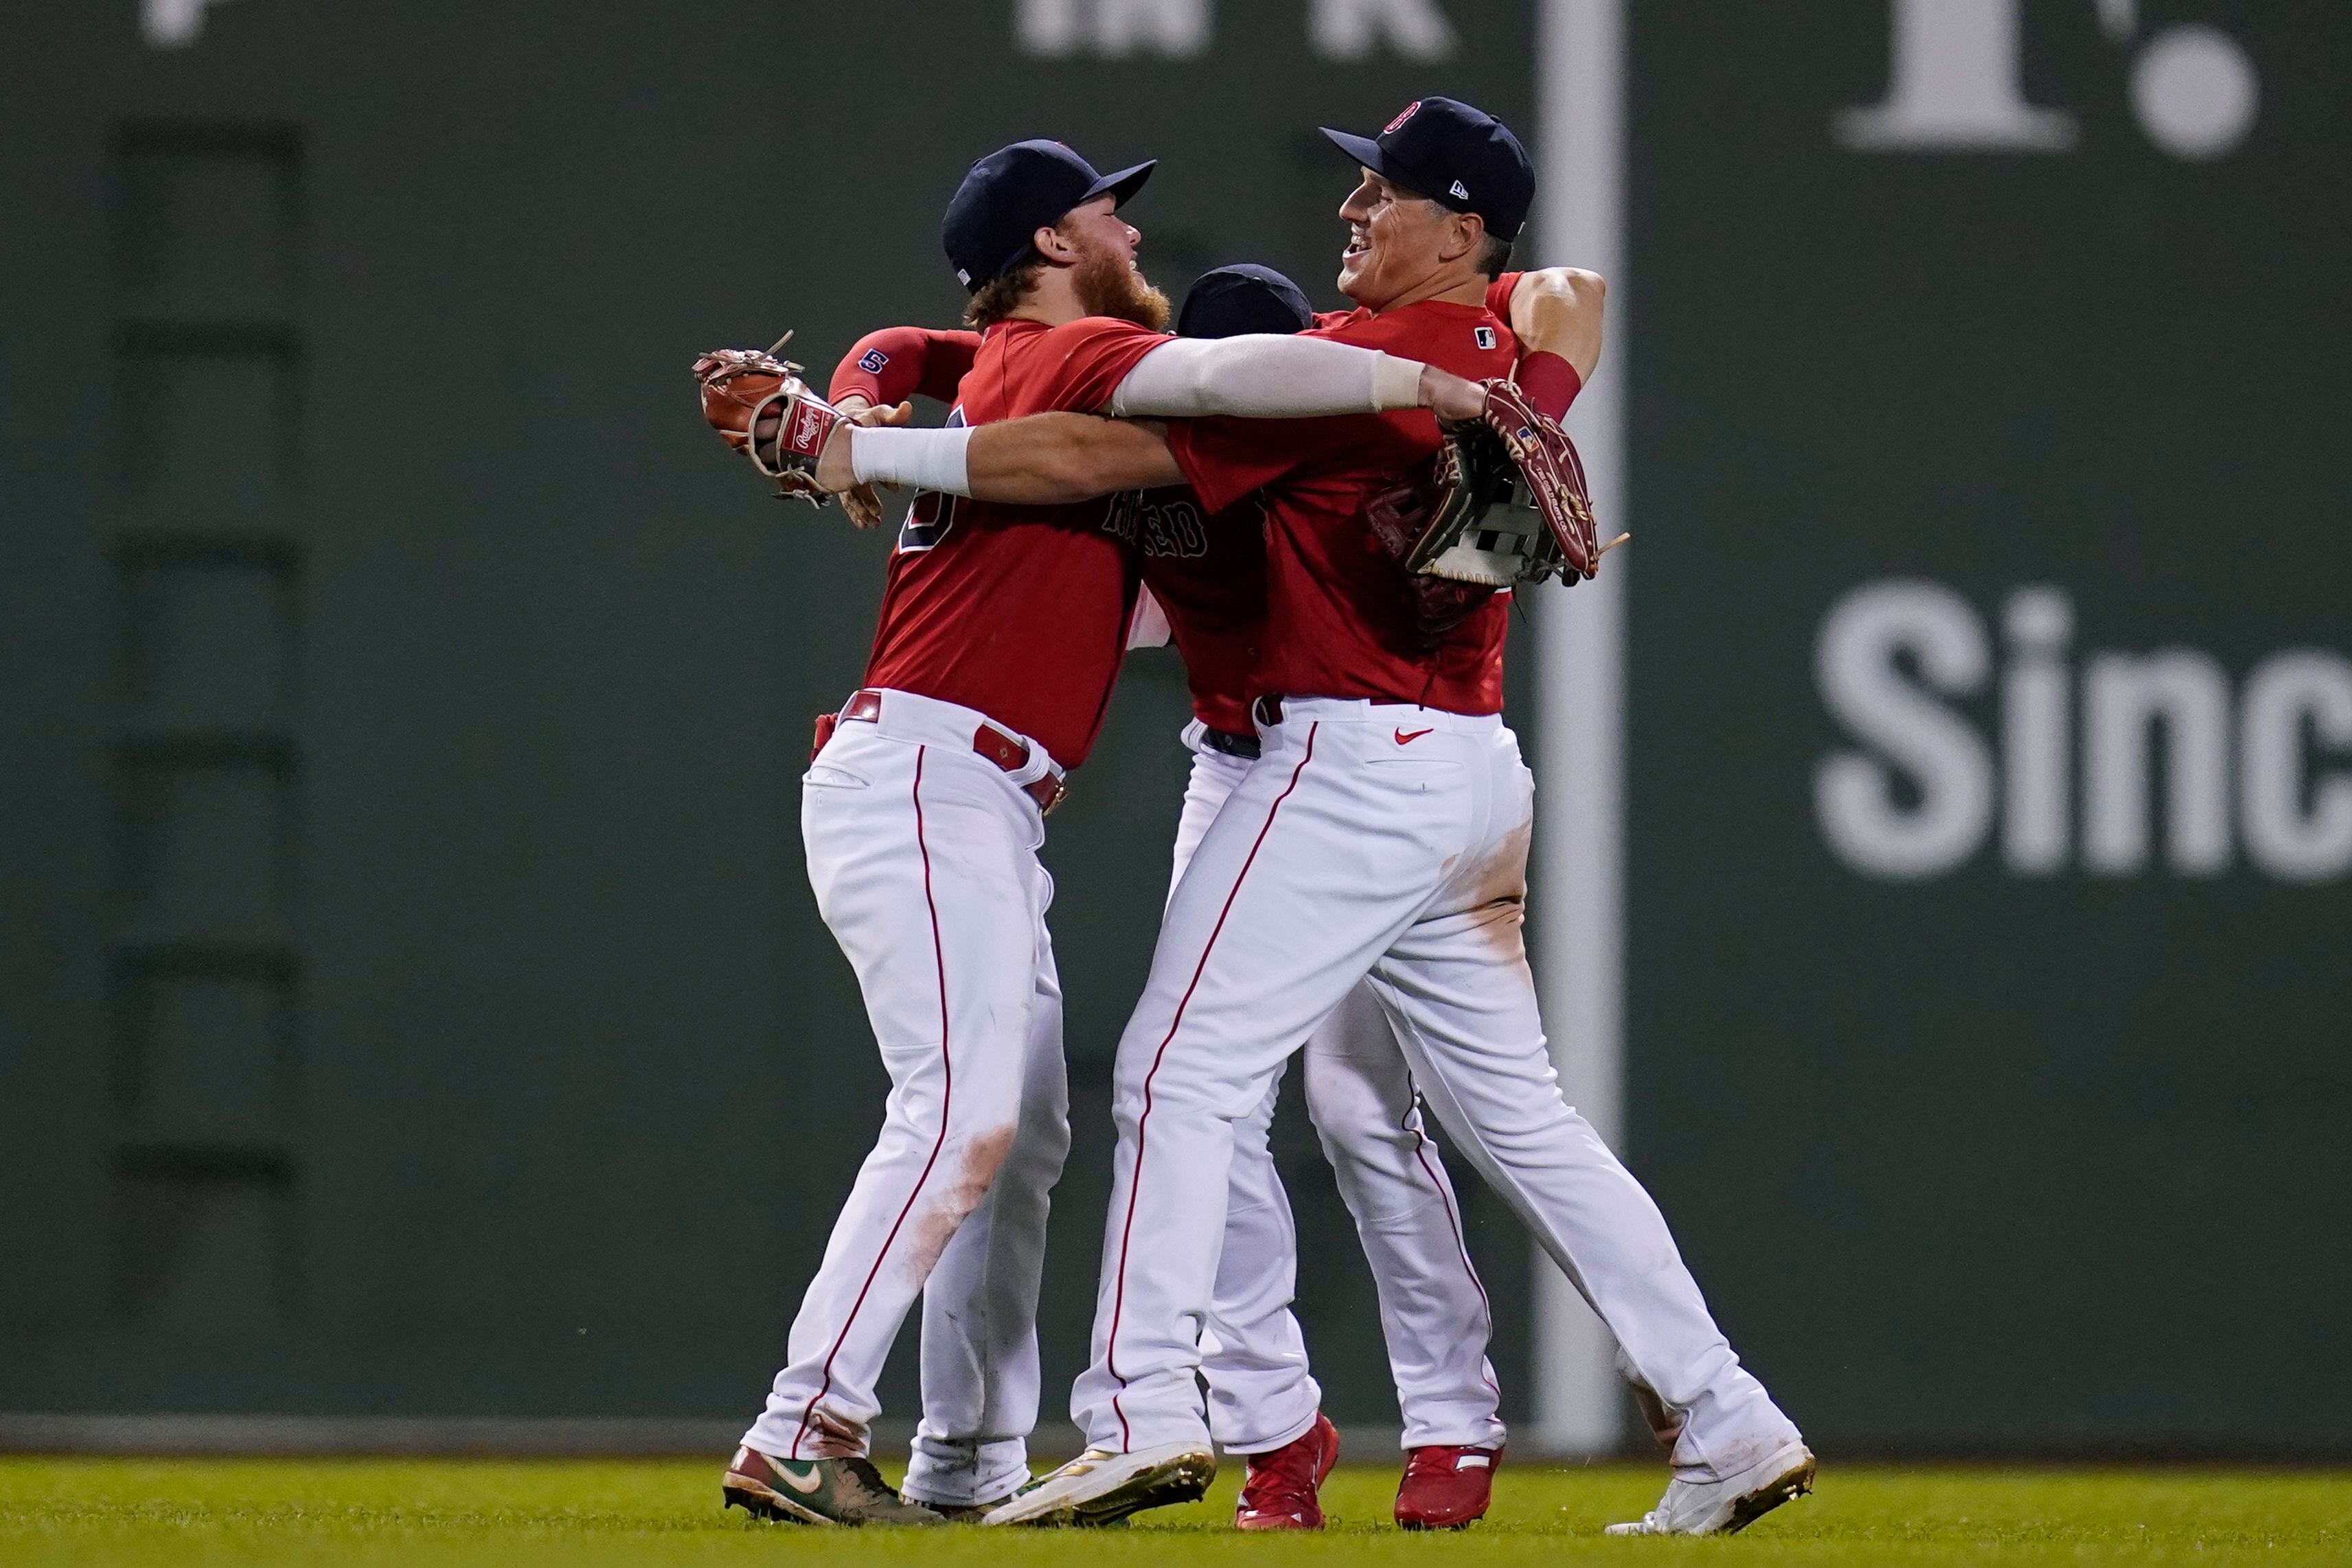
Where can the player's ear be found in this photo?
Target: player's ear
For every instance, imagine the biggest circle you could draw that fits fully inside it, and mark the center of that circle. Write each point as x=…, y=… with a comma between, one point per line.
x=1053, y=245
x=1463, y=235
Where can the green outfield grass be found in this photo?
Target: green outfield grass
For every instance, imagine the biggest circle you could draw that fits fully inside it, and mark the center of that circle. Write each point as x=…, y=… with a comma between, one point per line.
x=150, y=1512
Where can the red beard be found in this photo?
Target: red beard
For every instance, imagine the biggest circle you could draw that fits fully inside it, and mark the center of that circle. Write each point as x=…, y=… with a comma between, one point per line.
x=1108, y=286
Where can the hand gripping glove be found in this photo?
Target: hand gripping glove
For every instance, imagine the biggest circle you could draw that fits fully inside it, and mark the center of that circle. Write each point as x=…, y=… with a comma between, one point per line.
x=761, y=407
x=1554, y=474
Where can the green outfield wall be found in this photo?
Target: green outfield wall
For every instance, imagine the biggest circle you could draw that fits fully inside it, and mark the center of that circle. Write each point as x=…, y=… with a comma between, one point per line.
x=411, y=999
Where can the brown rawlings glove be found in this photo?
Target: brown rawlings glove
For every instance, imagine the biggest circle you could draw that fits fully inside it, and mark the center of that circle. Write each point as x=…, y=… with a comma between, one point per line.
x=761, y=407
x=1554, y=474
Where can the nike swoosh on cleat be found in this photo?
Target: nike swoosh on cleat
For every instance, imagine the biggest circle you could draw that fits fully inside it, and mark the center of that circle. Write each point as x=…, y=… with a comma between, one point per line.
x=1405, y=739
x=805, y=1488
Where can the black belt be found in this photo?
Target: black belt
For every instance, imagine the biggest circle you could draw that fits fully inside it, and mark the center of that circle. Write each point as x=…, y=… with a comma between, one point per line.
x=1230, y=742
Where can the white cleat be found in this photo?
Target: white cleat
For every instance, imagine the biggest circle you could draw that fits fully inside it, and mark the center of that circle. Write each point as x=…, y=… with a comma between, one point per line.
x=1099, y=1487
x=1730, y=1505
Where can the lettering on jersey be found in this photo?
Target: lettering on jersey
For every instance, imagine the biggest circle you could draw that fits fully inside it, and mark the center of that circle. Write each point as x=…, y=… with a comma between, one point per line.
x=1485, y=336
x=872, y=361
x=1157, y=525
x=932, y=514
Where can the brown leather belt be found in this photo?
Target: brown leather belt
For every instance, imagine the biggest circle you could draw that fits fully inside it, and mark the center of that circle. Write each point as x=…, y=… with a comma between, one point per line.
x=987, y=741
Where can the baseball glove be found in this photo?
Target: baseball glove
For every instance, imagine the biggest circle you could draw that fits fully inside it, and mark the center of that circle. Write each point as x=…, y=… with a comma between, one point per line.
x=1554, y=475
x=761, y=407
x=1471, y=531
x=1459, y=518
x=1420, y=521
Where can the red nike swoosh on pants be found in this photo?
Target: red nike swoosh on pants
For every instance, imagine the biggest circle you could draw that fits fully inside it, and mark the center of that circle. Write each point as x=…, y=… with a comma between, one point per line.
x=1405, y=739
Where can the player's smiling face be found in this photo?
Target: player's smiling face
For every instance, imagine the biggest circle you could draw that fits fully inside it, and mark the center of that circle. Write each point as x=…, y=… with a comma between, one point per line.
x=1396, y=238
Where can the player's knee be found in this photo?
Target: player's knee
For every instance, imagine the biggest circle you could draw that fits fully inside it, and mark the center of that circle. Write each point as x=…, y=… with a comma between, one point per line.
x=978, y=1157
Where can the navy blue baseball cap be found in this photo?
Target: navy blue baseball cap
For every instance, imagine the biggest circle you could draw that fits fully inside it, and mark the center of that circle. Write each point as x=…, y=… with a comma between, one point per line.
x=1461, y=158
x=1012, y=193
x=1227, y=301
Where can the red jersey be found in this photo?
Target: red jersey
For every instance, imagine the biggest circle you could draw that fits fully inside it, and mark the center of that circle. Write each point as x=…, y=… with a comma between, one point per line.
x=1339, y=618
x=1018, y=612
x=1207, y=570
x=1498, y=296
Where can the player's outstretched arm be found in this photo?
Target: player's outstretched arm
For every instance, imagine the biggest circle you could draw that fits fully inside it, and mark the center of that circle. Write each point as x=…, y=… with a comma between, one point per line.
x=1041, y=460
x=1053, y=458
x=1264, y=375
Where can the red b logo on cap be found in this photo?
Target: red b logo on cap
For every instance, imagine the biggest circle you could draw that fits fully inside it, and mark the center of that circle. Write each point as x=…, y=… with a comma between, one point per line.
x=1410, y=110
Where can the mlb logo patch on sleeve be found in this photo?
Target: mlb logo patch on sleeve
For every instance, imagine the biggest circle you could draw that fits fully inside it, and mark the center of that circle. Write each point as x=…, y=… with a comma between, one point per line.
x=1485, y=335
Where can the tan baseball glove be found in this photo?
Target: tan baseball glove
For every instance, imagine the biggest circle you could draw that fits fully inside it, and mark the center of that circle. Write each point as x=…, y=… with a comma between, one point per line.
x=762, y=408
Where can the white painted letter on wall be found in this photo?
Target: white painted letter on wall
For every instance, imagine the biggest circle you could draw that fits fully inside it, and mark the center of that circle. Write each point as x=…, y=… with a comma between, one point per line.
x=2036, y=735
x=1352, y=29
x=2123, y=698
x=2282, y=837
x=1954, y=84
x=172, y=23
x=1906, y=727
x=1061, y=29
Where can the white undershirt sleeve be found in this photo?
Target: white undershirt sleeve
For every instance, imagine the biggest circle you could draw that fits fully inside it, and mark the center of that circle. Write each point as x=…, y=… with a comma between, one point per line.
x=927, y=459
x=1264, y=375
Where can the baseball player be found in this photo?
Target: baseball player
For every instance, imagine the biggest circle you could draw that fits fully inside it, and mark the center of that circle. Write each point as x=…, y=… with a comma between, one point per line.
x=1382, y=835
x=1208, y=577
x=1000, y=635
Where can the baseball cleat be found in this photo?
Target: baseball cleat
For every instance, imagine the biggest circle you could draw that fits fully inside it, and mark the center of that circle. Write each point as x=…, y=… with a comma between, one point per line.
x=1730, y=1505
x=1445, y=1488
x=1280, y=1491
x=816, y=1492
x=1099, y=1487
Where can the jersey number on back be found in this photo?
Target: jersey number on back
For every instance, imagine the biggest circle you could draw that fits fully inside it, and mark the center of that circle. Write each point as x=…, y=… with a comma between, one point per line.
x=932, y=514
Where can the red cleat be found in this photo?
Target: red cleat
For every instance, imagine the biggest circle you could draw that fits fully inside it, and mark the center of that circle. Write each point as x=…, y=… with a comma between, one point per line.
x=1280, y=1491
x=1446, y=1488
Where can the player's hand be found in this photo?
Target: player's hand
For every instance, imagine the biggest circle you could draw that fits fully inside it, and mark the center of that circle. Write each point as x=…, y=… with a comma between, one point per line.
x=862, y=502
x=1452, y=399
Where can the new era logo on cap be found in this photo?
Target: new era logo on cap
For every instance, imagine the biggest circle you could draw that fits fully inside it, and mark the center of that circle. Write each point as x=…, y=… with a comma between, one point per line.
x=1461, y=191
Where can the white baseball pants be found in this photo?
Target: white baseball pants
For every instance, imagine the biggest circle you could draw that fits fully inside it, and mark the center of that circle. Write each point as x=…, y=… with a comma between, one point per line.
x=923, y=856
x=1387, y=842
x=1433, y=1310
